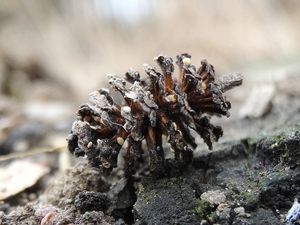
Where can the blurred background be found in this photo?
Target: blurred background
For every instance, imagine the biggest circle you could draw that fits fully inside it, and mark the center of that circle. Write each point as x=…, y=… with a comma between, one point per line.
x=76, y=43
x=53, y=53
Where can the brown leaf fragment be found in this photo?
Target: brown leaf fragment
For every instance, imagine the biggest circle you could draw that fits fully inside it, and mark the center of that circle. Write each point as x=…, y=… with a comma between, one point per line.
x=18, y=176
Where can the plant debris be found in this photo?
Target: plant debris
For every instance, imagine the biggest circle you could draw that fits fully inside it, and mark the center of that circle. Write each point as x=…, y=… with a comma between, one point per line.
x=259, y=103
x=153, y=106
x=18, y=176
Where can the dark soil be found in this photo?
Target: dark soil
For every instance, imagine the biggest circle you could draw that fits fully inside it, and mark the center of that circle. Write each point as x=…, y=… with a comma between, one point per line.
x=252, y=177
x=259, y=174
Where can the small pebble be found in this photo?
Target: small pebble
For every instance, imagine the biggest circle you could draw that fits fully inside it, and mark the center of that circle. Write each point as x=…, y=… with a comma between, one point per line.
x=203, y=222
x=90, y=144
x=214, y=197
x=240, y=211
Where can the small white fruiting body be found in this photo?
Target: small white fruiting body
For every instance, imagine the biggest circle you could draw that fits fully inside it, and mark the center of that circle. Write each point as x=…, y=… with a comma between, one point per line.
x=186, y=61
x=126, y=109
x=90, y=144
x=120, y=140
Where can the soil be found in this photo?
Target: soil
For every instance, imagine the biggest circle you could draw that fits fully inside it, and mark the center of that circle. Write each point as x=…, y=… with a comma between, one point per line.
x=251, y=177
x=258, y=175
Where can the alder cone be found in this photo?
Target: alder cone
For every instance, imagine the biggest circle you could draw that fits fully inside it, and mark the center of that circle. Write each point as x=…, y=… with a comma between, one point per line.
x=158, y=104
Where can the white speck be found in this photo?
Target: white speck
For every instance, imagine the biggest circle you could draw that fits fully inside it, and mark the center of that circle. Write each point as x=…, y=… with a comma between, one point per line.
x=131, y=95
x=126, y=109
x=175, y=126
x=90, y=144
x=171, y=98
x=120, y=140
x=186, y=61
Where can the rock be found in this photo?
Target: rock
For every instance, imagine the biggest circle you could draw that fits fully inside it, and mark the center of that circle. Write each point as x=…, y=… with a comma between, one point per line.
x=218, y=188
x=278, y=188
x=233, y=181
x=122, y=196
x=204, y=222
x=224, y=213
x=239, y=211
x=283, y=146
x=21, y=216
x=94, y=218
x=214, y=197
x=260, y=217
x=91, y=201
x=165, y=201
x=294, y=213
x=82, y=177
x=35, y=213
x=120, y=222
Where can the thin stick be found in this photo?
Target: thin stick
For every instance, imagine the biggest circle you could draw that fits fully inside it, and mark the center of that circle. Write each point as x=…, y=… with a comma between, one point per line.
x=32, y=152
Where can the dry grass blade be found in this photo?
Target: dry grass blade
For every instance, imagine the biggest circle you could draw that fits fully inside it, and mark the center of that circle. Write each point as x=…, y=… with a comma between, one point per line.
x=19, y=155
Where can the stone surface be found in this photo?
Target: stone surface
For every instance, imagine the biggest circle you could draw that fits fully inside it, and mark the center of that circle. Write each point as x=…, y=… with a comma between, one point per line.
x=214, y=197
x=294, y=213
x=232, y=185
x=260, y=217
x=87, y=201
x=166, y=201
x=247, y=182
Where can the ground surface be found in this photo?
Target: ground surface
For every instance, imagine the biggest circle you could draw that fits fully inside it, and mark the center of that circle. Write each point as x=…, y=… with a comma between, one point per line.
x=251, y=177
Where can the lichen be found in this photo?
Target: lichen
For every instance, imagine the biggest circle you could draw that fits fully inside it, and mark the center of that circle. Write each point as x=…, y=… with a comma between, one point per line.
x=206, y=211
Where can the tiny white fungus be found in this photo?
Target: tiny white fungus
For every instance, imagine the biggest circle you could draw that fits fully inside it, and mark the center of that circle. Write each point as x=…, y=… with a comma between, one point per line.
x=120, y=140
x=126, y=109
x=186, y=61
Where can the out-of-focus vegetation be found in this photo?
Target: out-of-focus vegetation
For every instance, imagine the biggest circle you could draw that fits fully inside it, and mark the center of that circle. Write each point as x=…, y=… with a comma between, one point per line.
x=79, y=42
